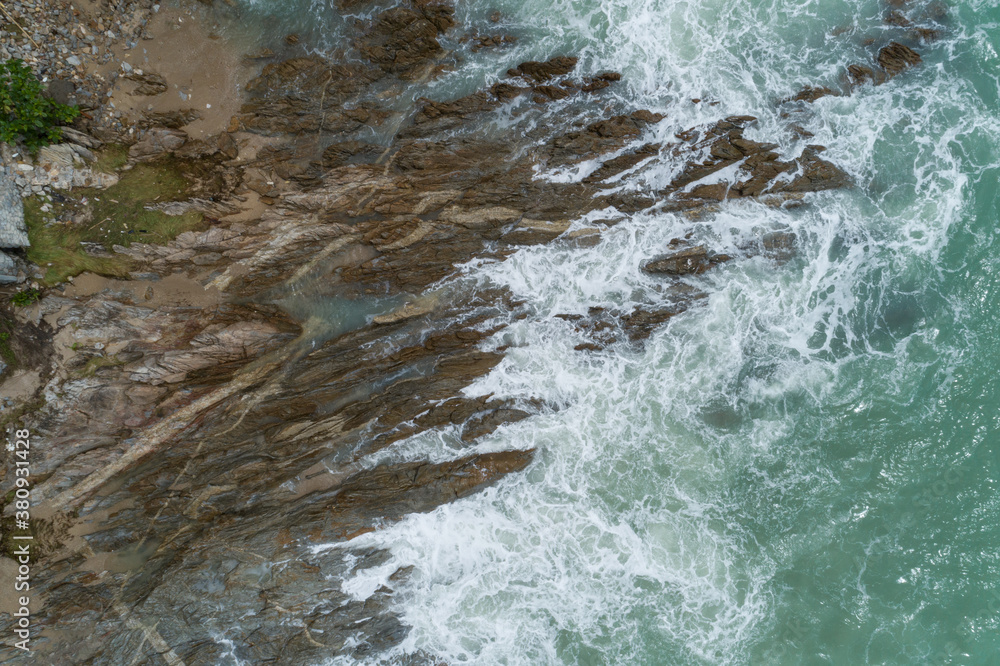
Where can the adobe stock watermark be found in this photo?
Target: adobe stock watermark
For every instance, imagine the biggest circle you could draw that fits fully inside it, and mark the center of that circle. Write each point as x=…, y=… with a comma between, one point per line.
x=792, y=636
x=946, y=485
x=22, y=537
x=964, y=631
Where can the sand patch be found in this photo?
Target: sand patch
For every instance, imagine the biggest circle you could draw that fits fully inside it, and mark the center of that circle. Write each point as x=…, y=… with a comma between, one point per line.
x=176, y=290
x=203, y=72
x=22, y=385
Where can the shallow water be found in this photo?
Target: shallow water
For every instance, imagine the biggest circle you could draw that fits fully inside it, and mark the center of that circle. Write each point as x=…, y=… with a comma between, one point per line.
x=802, y=469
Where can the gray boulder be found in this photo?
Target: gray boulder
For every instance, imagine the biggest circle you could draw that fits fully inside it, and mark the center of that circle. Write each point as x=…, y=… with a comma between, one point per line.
x=8, y=268
x=13, y=233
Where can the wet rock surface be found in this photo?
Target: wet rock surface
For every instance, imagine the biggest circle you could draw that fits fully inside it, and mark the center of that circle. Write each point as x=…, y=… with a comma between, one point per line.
x=688, y=261
x=191, y=444
x=896, y=57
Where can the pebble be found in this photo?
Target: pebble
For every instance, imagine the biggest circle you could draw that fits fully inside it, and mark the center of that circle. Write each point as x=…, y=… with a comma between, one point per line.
x=69, y=36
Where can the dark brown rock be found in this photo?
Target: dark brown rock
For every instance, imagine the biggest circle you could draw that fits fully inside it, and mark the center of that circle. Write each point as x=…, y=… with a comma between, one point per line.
x=458, y=109
x=859, y=74
x=544, y=71
x=231, y=422
x=227, y=146
x=895, y=58
x=818, y=174
x=487, y=422
x=307, y=95
x=389, y=492
x=640, y=323
x=689, y=261
x=623, y=162
x=811, y=94
x=403, y=40
x=506, y=92
x=170, y=119
x=350, y=152
x=147, y=83
x=776, y=245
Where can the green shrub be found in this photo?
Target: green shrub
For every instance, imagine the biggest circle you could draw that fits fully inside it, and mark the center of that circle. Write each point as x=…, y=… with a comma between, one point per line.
x=26, y=297
x=25, y=113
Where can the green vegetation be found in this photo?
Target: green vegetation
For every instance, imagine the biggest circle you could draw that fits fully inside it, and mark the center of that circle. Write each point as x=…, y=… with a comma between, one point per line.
x=111, y=158
x=5, y=351
x=115, y=216
x=57, y=248
x=26, y=297
x=6, y=331
x=119, y=212
x=25, y=113
x=96, y=363
x=13, y=417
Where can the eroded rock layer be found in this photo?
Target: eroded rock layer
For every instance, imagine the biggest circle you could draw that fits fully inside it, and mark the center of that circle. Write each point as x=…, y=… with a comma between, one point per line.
x=194, y=452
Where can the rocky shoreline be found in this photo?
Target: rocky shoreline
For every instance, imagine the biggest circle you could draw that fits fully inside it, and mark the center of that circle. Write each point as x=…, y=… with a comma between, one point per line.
x=200, y=416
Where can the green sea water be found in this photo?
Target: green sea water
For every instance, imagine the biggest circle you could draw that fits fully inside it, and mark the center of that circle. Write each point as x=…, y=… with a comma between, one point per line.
x=805, y=468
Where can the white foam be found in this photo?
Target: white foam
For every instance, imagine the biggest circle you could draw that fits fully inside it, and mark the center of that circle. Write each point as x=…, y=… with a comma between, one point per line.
x=635, y=536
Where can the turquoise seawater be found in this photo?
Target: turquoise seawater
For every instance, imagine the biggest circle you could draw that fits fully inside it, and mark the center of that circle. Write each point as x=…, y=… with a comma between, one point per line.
x=804, y=469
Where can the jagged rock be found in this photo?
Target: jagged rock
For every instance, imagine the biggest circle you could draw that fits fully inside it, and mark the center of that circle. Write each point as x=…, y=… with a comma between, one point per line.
x=195, y=149
x=859, y=74
x=480, y=42
x=487, y=422
x=506, y=92
x=350, y=152
x=79, y=138
x=776, y=245
x=544, y=71
x=390, y=491
x=227, y=146
x=816, y=174
x=13, y=232
x=403, y=40
x=8, y=273
x=640, y=323
x=88, y=178
x=602, y=136
x=61, y=155
x=895, y=58
x=224, y=421
x=760, y=167
x=779, y=245
x=624, y=162
x=212, y=347
x=149, y=83
x=600, y=81
x=811, y=94
x=688, y=261
x=307, y=95
x=83, y=153
x=458, y=109
x=213, y=209
x=157, y=141
x=170, y=119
